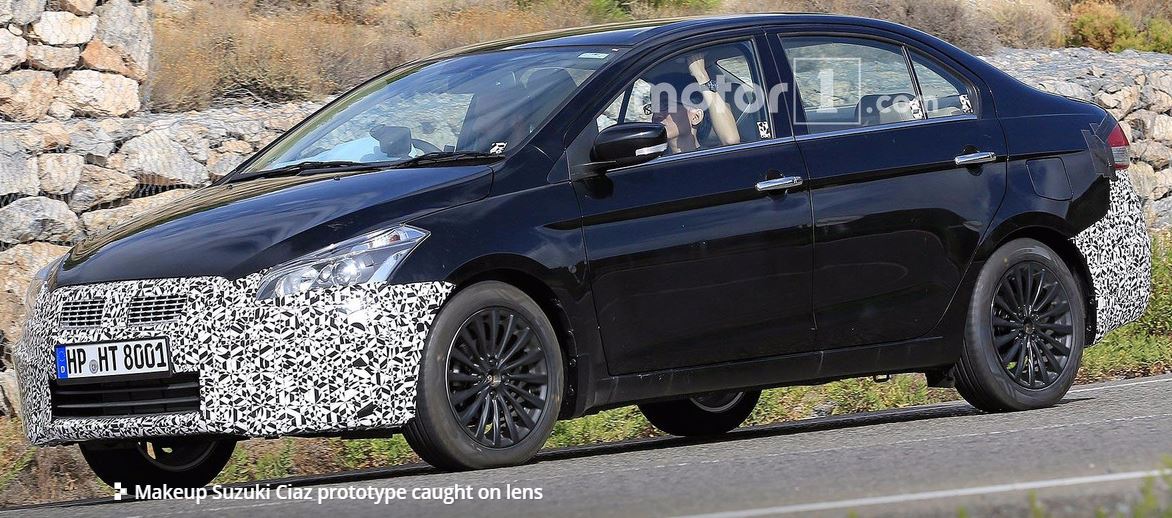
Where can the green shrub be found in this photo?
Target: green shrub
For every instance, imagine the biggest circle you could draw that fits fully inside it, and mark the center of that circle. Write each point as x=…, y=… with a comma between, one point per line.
x=1156, y=37
x=1098, y=25
x=607, y=10
x=1157, y=321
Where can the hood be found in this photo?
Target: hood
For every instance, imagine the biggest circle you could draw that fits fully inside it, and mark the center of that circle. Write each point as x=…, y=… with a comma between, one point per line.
x=236, y=229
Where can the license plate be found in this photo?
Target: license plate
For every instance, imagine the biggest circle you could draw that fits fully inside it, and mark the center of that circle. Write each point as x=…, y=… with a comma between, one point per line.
x=76, y=361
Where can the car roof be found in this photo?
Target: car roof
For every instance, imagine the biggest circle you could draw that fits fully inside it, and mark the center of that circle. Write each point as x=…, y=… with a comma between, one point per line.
x=653, y=32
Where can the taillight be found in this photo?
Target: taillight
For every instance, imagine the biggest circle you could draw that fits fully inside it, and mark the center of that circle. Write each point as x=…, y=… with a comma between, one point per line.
x=1119, y=148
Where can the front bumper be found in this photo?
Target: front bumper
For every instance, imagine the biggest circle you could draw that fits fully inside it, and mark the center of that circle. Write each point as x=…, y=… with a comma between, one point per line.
x=319, y=362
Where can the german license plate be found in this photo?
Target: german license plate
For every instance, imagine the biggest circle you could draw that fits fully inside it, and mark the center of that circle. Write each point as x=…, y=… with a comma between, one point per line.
x=76, y=361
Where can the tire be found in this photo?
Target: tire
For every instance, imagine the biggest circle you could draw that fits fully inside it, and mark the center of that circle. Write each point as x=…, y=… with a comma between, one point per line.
x=708, y=414
x=177, y=463
x=1022, y=356
x=494, y=357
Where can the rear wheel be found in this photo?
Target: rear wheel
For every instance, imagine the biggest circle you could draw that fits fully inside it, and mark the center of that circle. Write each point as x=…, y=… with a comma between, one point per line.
x=1025, y=332
x=490, y=386
x=707, y=414
x=174, y=462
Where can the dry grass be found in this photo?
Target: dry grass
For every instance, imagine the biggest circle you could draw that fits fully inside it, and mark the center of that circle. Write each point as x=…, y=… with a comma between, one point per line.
x=33, y=475
x=280, y=50
x=1026, y=23
x=212, y=51
x=1140, y=11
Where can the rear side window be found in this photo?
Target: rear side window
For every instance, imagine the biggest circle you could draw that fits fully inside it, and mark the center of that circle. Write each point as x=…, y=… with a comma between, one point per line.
x=842, y=83
x=943, y=93
x=845, y=82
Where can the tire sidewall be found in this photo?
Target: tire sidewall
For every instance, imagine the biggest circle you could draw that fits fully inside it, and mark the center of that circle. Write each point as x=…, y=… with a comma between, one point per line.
x=128, y=465
x=979, y=333
x=432, y=406
x=686, y=418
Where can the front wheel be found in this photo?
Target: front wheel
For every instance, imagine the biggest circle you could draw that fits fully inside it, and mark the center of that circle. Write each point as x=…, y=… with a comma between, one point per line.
x=706, y=414
x=185, y=463
x=1025, y=333
x=490, y=385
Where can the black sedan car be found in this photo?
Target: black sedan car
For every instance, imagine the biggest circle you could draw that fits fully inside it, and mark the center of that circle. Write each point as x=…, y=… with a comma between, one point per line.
x=674, y=214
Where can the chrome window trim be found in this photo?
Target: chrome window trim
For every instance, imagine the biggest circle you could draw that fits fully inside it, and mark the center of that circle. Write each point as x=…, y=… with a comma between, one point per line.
x=801, y=138
x=885, y=127
x=708, y=152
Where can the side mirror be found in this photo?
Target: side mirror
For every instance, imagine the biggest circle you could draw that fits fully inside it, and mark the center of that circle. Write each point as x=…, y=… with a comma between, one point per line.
x=622, y=145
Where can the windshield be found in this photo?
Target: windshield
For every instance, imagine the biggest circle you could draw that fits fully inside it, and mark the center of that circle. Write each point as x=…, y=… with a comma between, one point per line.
x=481, y=103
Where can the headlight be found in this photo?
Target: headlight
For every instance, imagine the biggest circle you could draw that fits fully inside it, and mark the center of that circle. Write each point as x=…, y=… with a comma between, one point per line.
x=39, y=281
x=370, y=257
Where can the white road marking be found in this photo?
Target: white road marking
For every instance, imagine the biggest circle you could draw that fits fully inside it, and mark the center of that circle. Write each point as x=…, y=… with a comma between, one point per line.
x=1119, y=385
x=833, y=449
x=214, y=510
x=878, y=500
x=933, y=495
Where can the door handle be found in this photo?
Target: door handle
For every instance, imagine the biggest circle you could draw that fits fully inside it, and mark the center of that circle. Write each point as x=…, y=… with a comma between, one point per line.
x=972, y=159
x=779, y=184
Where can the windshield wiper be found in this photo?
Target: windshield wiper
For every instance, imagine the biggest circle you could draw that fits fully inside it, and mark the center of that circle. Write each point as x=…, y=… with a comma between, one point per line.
x=437, y=157
x=298, y=168
x=343, y=166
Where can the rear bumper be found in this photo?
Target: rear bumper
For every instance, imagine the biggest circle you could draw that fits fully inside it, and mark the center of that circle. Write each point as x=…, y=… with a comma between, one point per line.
x=1118, y=252
x=320, y=362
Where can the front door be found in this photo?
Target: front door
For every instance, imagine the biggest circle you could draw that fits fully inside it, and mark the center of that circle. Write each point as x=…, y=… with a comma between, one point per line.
x=882, y=128
x=690, y=263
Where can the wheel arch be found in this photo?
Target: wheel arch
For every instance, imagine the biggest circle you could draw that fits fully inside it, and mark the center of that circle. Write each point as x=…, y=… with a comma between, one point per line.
x=524, y=274
x=1061, y=243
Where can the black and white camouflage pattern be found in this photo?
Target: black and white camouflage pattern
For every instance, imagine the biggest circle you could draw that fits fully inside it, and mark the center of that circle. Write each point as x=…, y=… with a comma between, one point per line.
x=1118, y=253
x=321, y=361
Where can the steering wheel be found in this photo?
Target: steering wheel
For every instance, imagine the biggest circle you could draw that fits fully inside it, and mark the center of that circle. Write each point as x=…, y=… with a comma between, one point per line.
x=424, y=146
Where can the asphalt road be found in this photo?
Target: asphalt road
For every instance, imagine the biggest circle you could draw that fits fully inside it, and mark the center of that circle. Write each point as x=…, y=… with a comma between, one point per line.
x=1093, y=450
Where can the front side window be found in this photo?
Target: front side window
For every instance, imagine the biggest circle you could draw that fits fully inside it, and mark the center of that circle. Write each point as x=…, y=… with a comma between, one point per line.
x=843, y=83
x=480, y=103
x=706, y=98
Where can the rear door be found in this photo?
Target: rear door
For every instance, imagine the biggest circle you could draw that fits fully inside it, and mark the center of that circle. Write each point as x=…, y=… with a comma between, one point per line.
x=882, y=125
x=691, y=264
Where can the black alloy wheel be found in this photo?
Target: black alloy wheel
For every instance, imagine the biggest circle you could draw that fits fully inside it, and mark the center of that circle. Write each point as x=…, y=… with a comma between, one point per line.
x=1025, y=330
x=497, y=377
x=1031, y=320
x=490, y=385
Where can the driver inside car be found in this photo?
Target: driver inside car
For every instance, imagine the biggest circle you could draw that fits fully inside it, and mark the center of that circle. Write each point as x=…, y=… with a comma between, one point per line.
x=691, y=108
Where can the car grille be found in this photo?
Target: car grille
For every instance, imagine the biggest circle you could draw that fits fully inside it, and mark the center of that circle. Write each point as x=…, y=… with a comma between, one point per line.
x=82, y=313
x=177, y=393
x=140, y=311
x=155, y=310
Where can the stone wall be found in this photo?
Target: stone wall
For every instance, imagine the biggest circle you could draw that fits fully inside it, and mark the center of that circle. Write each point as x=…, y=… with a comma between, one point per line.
x=61, y=180
x=67, y=58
